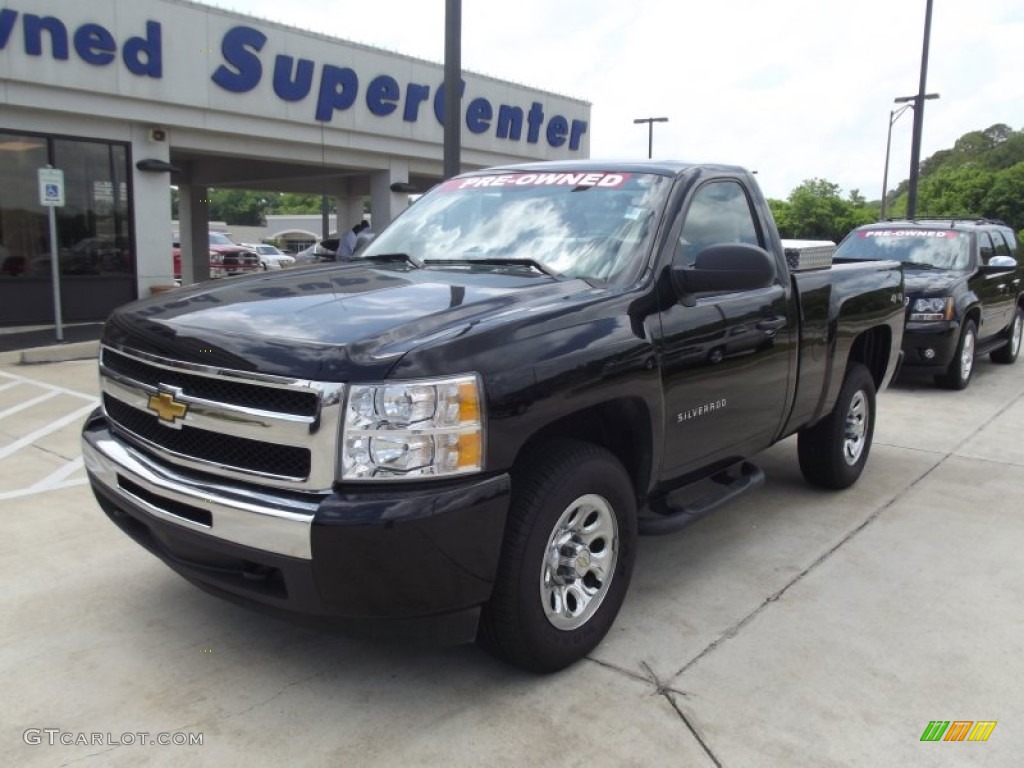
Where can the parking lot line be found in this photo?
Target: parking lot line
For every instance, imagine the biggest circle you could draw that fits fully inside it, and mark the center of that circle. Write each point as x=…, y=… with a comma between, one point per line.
x=53, y=426
x=52, y=482
x=15, y=380
x=28, y=404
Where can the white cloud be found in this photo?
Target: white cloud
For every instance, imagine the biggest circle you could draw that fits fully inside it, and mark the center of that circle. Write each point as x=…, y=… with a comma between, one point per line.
x=795, y=88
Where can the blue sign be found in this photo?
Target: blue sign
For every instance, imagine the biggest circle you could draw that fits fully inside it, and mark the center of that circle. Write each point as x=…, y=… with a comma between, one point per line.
x=51, y=187
x=93, y=43
x=338, y=88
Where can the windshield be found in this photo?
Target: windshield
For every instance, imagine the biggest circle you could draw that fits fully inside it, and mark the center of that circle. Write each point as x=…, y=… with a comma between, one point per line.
x=938, y=248
x=216, y=238
x=587, y=225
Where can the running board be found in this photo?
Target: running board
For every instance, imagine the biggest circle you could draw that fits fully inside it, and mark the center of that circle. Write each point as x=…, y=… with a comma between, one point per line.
x=675, y=517
x=990, y=345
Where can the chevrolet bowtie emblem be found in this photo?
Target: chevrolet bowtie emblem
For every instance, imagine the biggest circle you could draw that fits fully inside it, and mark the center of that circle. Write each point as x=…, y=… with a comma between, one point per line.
x=166, y=407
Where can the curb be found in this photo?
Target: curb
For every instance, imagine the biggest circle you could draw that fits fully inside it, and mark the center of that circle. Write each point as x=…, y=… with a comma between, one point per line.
x=58, y=353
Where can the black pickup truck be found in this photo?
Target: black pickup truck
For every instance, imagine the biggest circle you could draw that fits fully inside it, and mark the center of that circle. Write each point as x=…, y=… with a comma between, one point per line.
x=463, y=431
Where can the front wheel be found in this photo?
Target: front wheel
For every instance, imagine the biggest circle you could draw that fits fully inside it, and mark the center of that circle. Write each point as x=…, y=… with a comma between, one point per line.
x=566, y=560
x=958, y=374
x=834, y=451
x=1007, y=353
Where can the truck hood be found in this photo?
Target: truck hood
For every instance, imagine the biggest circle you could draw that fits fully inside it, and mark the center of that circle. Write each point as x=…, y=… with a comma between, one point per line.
x=332, y=323
x=930, y=282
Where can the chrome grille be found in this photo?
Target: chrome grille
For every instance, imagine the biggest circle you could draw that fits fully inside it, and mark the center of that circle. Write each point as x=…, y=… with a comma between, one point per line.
x=262, y=429
x=218, y=389
x=239, y=453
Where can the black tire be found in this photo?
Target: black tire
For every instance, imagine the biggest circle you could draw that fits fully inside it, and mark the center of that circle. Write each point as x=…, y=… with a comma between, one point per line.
x=561, y=484
x=961, y=367
x=834, y=451
x=1007, y=354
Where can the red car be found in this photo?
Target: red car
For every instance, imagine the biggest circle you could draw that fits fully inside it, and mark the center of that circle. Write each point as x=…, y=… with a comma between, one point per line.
x=226, y=257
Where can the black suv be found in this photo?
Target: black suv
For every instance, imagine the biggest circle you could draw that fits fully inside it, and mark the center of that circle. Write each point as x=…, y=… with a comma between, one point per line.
x=963, y=285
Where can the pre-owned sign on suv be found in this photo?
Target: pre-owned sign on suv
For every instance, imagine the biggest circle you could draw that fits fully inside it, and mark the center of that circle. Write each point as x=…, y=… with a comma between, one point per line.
x=963, y=290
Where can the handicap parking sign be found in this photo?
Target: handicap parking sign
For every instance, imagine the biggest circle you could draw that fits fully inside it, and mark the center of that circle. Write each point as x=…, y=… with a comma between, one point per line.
x=51, y=187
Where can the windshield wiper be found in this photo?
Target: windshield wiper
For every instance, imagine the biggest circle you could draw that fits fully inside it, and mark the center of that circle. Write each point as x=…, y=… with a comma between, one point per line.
x=919, y=265
x=392, y=257
x=498, y=263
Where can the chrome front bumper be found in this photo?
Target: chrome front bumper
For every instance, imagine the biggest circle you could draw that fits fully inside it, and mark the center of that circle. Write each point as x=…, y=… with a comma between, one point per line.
x=242, y=515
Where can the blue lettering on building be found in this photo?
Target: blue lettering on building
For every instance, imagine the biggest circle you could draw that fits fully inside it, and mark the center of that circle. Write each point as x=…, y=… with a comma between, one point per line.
x=243, y=70
x=338, y=88
x=292, y=87
x=94, y=44
x=382, y=95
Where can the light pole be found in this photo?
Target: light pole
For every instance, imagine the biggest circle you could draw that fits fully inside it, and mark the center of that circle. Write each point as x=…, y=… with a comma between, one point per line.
x=650, y=131
x=452, y=88
x=908, y=102
x=915, y=147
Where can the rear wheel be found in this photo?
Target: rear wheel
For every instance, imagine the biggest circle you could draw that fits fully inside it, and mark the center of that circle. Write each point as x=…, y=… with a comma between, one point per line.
x=834, y=451
x=1007, y=354
x=566, y=560
x=958, y=374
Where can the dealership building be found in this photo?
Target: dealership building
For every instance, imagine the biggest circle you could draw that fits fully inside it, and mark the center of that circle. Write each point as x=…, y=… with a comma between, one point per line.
x=130, y=97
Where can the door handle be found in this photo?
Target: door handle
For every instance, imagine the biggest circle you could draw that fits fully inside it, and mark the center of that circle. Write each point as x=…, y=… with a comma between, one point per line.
x=771, y=324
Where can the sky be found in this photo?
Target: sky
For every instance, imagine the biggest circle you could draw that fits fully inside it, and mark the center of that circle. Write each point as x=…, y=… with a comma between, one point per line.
x=794, y=89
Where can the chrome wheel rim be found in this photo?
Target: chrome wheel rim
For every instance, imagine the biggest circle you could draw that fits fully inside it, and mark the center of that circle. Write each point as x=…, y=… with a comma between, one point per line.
x=579, y=562
x=1018, y=327
x=967, y=357
x=856, y=427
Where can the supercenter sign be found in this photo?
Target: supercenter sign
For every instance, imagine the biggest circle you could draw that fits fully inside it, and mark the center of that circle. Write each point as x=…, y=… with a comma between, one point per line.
x=244, y=59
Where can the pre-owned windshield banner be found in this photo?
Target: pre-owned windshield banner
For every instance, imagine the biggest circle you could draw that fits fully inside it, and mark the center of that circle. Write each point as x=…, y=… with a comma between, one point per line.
x=928, y=233
x=599, y=180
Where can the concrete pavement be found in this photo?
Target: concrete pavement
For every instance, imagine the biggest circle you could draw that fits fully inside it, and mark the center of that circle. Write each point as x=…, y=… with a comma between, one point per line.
x=793, y=628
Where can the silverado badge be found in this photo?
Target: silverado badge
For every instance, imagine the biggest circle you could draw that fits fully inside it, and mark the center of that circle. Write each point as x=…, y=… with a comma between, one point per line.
x=166, y=408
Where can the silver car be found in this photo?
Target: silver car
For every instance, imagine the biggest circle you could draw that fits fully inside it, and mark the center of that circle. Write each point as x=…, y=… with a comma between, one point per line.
x=271, y=256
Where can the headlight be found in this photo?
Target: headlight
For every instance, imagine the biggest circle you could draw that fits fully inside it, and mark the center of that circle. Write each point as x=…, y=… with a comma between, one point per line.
x=412, y=429
x=932, y=309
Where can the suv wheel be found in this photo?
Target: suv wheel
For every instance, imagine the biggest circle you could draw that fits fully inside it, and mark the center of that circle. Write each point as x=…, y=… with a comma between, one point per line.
x=1007, y=353
x=958, y=374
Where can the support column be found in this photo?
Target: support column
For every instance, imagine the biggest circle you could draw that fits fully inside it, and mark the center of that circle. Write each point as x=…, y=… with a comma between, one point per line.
x=152, y=212
x=385, y=204
x=351, y=213
x=194, y=220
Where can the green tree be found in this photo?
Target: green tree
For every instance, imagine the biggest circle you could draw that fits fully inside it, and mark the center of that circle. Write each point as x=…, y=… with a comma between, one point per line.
x=780, y=212
x=1005, y=196
x=955, y=191
x=815, y=209
x=296, y=203
x=238, y=206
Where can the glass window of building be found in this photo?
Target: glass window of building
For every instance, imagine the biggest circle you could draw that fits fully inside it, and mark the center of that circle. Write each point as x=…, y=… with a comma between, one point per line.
x=95, y=249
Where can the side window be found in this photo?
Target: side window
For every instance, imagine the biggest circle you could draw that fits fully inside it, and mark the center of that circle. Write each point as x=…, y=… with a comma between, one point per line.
x=1011, y=238
x=719, y=213
x=985, y=247
x=1002, y=248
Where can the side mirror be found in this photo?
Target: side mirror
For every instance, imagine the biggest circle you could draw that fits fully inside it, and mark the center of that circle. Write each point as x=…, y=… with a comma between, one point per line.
x=998, y=265
x=724, y=268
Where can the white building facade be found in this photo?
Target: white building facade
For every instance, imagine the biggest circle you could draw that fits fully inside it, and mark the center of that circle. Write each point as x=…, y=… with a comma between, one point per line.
x=128, y=97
